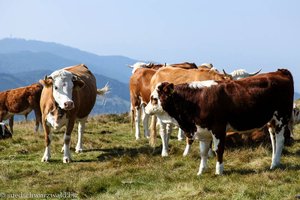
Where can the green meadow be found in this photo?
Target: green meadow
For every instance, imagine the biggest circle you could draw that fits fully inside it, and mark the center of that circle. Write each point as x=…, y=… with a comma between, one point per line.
x=116, y=166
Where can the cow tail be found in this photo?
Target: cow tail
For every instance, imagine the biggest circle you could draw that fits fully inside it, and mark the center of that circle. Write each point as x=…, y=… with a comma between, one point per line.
x=153, y=132
x=103, y=90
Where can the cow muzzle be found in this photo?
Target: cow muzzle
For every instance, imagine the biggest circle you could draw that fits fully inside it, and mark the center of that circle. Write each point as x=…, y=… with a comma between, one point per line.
x=68, y=105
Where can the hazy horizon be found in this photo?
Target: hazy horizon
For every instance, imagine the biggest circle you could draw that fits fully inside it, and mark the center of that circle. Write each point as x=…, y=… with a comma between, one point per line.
x=230, y=34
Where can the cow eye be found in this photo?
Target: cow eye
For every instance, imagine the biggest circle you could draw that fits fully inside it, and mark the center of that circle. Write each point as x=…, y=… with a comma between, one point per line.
x=154, y=100
x=55, y=87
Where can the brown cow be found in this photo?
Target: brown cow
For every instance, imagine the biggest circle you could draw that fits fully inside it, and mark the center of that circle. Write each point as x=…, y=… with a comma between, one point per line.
x=211, y=107
x=68, y=96
x=177, y=76
x=21, y=101
x=139, y=87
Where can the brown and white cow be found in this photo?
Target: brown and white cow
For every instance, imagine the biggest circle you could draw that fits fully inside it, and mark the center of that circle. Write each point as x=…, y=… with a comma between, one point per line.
x=21, y=101
x=139, y=87
x=68, y=96
x=177, y=76
x=211, y=107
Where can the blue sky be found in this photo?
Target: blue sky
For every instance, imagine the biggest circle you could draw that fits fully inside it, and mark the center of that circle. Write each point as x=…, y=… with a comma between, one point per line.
x=230, y=34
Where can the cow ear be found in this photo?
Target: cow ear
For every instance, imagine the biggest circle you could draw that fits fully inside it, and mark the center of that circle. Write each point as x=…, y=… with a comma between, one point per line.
x=169, y=89
x=78, y=83
x=46, y=82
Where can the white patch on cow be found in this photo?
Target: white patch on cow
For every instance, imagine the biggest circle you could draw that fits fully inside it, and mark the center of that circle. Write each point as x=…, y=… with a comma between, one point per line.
x=56, y=124
x=3, y=128
x=81, y=127
x=165, y=132
x=156, y=109
x=137, y=122
x=204, y=148
x=219, y=168
x=180, y=135
x=47, y=154
x=277, y=142
x=66, y=147
x=138, y=65
x=202, y=84
x=62, y=87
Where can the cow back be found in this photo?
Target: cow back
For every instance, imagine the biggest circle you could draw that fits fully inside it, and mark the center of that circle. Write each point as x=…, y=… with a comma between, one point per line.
x=179, y=76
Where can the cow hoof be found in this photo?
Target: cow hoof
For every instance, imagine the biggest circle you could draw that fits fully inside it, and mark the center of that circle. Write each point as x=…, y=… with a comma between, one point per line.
x=66, y=160
x=45, y=159
x=164, y=154
x=80, y=150
x=199, y=173
x=273, y=167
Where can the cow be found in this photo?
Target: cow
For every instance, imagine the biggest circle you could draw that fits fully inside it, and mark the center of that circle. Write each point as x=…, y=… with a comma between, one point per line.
x=69, y=94
x=4, y=132
x=239, y=74
x=211, y=107
x=21, y=101
x=139, y=88
x=177, y=76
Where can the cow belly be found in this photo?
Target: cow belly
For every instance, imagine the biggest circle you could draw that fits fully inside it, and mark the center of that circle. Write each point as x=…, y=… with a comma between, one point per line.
x=24, y=112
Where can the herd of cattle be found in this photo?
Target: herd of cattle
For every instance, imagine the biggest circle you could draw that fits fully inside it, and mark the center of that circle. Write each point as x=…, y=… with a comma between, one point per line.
x=202, y=102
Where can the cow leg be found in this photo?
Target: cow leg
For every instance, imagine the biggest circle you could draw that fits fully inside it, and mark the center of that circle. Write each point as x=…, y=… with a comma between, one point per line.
x=164, y=138
x=11, y=124
x=205, y=138
x=37, y=120
x=272, y=137
x=153, y=132
x=137, y=122
x=219, y=145
x=279, y=143
x=145, y=119
x=81, y=127
x=67, y=140
x=180, y=135
x=47, y=154
x=189, y=141
x=204, y=147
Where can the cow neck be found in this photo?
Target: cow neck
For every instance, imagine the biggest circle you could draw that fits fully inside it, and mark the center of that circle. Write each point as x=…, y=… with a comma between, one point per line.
x=60, y=111
x=177, y=109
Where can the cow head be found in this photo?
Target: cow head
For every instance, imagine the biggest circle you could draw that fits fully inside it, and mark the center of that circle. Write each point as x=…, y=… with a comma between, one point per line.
x=163, y=92
x=63, y=83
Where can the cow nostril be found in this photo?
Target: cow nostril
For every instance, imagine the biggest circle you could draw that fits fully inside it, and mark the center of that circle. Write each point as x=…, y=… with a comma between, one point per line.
x=69, y=104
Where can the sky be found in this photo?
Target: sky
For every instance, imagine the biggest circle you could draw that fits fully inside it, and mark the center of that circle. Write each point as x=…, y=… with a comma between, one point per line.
x=231, y=34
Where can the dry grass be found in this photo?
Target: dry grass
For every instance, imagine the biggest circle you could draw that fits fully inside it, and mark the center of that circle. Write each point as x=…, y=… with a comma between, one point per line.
x=115, y=166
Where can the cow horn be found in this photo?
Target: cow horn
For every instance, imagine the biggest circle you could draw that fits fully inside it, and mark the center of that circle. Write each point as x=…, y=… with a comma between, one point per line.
x=253, y=74
x=130, y=66
x=225, y=73
x=47, y=77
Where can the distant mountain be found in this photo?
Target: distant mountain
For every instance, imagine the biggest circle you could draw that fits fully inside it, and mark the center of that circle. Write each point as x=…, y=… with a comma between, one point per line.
x=23, y=62
x=37, y=55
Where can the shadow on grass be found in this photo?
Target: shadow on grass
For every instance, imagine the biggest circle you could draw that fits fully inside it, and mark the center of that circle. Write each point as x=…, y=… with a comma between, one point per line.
x=283, y=167
x=131, y=152
x=122, y=151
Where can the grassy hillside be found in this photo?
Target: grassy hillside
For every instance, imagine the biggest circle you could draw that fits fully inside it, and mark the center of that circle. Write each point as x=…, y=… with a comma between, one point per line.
x=115, y=166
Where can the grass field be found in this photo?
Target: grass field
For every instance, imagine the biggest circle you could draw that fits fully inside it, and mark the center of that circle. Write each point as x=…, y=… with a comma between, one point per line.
x=115, y=166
